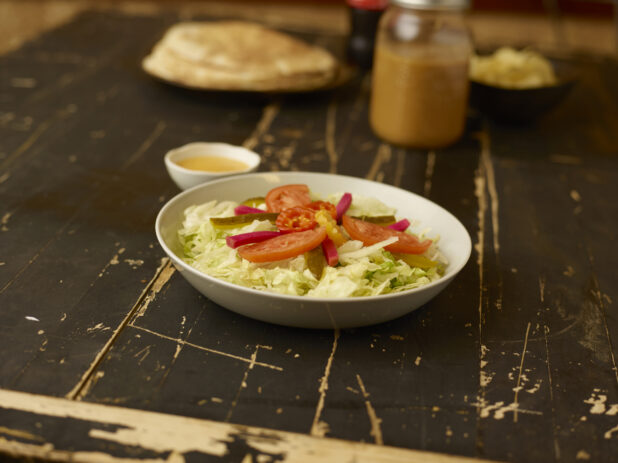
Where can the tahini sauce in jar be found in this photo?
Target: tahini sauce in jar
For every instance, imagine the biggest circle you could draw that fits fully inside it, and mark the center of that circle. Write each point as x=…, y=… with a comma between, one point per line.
x=420, y=82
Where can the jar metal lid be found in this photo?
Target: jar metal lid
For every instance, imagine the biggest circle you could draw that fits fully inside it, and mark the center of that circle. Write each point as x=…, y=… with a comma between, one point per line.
x=433, y=4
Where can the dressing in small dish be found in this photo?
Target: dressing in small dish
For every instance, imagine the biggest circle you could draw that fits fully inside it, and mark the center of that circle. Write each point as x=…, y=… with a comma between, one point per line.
x=200, y=162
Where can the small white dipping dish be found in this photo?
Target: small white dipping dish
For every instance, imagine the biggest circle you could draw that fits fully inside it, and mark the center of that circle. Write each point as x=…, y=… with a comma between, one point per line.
x=187, y=178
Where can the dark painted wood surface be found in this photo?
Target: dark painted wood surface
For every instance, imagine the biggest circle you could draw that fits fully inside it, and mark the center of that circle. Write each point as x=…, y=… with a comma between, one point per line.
x=515, y=361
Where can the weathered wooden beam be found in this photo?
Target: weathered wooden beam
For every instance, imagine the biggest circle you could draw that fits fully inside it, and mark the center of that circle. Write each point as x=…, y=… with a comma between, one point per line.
x=166, y=438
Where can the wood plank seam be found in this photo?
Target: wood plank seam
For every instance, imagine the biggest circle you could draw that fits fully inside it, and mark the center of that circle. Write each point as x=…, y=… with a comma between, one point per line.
x=521, y=369
x=376, y=431
x=318, y=427
x=603, y=310
x=79, y=389
x=383, y=156
x=243, y=381
x=431, y=162
x=43, y=127
x=400, y=167
x=494, y=203
x=479, y=246
x=551, y=392
x=269, y=113
x=146, y=144
x=207, y=349
x=331, y=125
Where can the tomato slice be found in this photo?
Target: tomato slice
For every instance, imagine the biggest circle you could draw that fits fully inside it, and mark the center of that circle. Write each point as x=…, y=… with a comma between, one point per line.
x=295, y=219
x=286, y=196
x=370, y=233
x=283, y=246
x=323, y=206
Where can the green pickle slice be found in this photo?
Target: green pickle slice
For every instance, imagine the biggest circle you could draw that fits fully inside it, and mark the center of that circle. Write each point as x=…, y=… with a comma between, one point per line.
x=237, y=221
x=378, y=219
x=316, y=262
x=416, y=260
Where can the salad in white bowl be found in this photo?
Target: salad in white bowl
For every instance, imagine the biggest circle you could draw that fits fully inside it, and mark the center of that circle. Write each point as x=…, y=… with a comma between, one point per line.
x=360, y=282
x=294, y=242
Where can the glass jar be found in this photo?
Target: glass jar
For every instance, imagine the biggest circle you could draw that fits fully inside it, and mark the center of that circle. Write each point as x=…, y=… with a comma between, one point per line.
x=420, y=85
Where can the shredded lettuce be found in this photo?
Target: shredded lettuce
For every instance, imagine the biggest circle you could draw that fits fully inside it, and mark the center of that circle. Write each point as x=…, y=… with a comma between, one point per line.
x=362, y=270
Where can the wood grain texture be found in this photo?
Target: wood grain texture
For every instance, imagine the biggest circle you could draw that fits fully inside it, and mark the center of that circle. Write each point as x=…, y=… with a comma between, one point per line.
x=515, y=361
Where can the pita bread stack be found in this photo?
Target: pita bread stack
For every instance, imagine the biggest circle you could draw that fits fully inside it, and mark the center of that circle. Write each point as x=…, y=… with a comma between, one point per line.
x=238, y=55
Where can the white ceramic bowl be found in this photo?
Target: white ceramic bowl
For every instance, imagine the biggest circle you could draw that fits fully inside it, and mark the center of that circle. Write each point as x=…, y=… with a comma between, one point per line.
x=188, y=178
x=311, y=312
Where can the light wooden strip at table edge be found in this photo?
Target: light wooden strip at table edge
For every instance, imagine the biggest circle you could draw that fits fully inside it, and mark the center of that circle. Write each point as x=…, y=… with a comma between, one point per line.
x=163, y=433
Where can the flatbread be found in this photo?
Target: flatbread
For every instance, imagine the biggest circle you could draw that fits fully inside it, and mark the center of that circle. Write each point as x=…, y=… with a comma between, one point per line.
x=238, y=55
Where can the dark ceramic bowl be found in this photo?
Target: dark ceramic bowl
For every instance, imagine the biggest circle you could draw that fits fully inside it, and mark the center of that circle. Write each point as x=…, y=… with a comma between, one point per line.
x=524, y=105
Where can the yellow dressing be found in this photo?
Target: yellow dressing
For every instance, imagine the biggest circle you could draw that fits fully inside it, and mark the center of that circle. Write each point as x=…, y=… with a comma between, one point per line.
x=212, y=164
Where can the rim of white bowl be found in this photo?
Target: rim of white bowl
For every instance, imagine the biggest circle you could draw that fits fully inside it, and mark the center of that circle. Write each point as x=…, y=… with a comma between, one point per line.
x=345, y=300
x=252, y=158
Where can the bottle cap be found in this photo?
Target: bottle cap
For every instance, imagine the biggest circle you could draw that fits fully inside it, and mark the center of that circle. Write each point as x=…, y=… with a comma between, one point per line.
x=433, y=4
x=368, y=4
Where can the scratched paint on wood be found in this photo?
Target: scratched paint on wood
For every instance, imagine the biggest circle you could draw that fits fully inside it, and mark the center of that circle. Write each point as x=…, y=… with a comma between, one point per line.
x=167, y=437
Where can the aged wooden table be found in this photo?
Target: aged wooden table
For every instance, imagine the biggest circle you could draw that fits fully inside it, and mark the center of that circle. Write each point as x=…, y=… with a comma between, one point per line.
x=107, y=354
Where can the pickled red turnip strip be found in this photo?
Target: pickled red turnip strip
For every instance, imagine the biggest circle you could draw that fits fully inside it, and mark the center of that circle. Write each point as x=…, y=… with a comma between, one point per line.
x=402, y=225
x=234, y=241
x=343, y=205
x=330, y=252
x=242, y=209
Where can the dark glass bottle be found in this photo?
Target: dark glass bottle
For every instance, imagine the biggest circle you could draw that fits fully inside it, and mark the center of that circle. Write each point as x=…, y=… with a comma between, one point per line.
x=364, y=17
